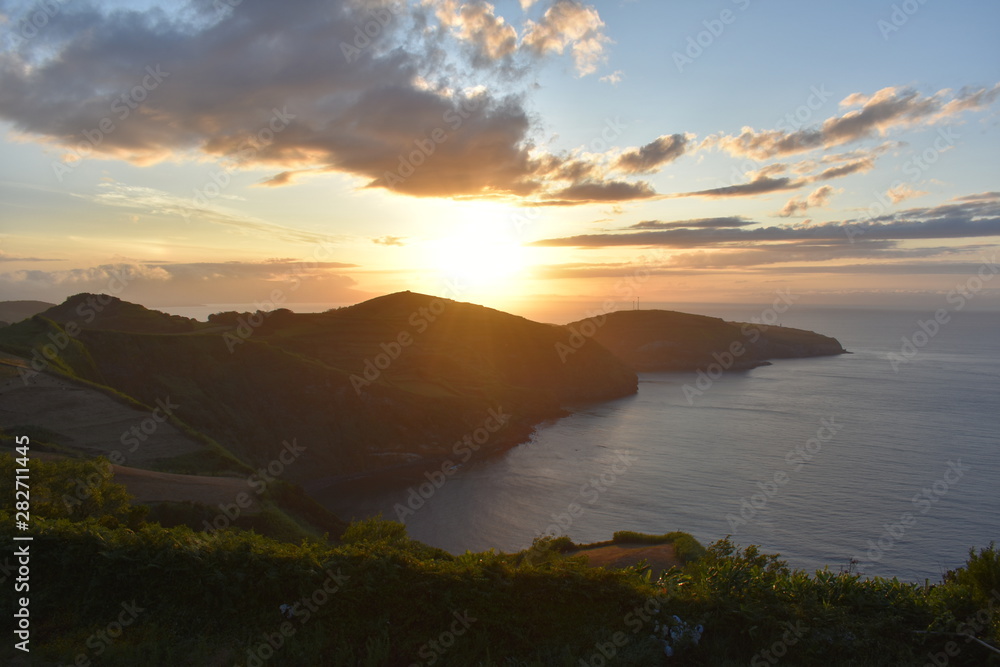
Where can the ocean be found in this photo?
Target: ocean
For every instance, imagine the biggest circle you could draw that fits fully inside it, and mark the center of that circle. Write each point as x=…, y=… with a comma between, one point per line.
x=889, y=456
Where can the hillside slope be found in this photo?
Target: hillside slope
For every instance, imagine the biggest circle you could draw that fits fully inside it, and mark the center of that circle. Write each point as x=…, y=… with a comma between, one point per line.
x=397, y=380
x=662, y=340
x=76, y=417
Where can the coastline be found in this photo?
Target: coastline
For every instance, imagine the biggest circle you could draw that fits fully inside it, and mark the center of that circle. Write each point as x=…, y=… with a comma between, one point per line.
x=341, y=488
x=401, y=475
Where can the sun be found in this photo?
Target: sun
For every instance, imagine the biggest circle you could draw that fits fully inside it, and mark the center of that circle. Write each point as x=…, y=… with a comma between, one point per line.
x=482, y=256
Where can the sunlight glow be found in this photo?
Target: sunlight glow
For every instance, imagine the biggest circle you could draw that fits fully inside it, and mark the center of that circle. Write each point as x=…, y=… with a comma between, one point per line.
x=480, y=256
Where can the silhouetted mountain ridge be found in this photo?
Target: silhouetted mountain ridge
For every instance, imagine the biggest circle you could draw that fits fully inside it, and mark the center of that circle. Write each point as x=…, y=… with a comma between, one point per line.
x=101, y=311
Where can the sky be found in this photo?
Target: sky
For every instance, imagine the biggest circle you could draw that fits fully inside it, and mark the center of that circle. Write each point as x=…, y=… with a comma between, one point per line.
x=545, y=157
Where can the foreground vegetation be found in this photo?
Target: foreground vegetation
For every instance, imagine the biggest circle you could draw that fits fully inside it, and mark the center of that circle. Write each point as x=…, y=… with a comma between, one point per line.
x=113, y=588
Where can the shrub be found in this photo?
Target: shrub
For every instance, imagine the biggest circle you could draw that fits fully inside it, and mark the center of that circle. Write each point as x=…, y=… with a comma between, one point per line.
x=76, y=490
x=685, y=546
x=207, y=599
x=981, y=573
x=375, y=530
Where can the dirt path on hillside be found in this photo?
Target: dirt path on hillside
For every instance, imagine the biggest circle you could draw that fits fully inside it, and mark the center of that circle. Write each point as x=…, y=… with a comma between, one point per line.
x=148, y=486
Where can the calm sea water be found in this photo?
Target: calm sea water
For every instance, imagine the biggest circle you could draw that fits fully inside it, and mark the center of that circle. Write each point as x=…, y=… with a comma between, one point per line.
x=822, y=460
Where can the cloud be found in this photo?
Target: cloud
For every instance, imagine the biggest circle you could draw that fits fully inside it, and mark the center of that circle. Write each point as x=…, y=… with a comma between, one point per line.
x=652, y=156
x=812, y=258
x=396, y=106
x=566, y=24
x=607, y=191
x=903, y=192
x=762, y=181
x=855, y=166
x=769, y=171
x=6, y=257
x=698, y=223
x=759, y=185
x=192, y=283
x=323, y=96
x=793, y=207
x=476, y=23
x=614, y=78
x=982, y=198
x=158, y=202
x=970, y=217
x=887, y=109
x=819, y=197
x=569, y=24
x=390, y=240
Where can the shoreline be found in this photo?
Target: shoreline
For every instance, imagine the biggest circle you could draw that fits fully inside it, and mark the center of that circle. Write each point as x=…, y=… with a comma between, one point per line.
x=402, y=475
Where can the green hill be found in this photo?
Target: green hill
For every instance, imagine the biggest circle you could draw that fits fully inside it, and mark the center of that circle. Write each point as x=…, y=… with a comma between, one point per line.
x=101, y=311
x=662, y=340
x=397, y=380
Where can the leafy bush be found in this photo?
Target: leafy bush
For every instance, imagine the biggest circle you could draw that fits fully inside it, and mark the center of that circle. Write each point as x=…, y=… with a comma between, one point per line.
x=632, y=537
x=295, y=500
x=981, y=574
x=685, y=546
x=375, y=531
x=210, y=598
x=76, y=490
x=562, y=544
